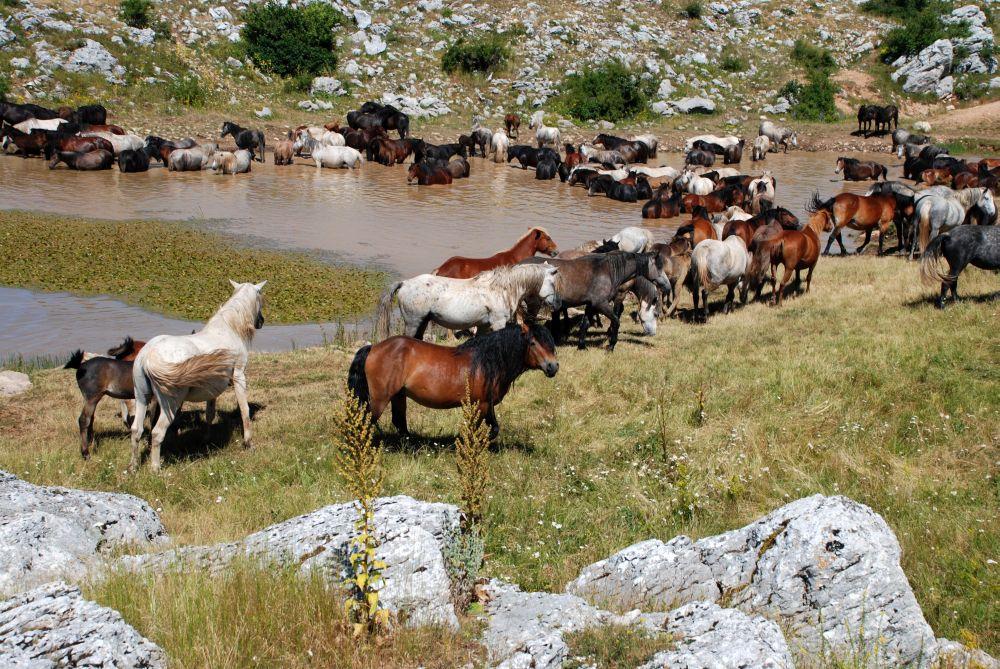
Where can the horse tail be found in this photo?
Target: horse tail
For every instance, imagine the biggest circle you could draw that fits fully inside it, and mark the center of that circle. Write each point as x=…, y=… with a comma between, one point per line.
x=816, y=203
x=205, y=369
x=923, y=228
x=384, y=311
x=75, y=360
x=701, y=276
x=123, y=349
x=930, y=266
x=357, y=379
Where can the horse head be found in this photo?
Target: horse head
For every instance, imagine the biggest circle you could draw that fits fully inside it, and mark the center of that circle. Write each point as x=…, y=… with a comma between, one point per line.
x=540, y=349
x=547, y=291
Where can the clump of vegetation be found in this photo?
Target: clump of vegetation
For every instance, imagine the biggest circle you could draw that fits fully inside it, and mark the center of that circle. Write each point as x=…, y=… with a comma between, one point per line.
x=921, y=25
x=615, y=647
x=299, y=83
x=608, y=91
x=483, y=54
x=136, y=13
x=733, y=63
x=188, y=91
x=291, y=40
x=196, y=265
x=693, y=9
x=359, y=462
x=4, y=87
x=813, y=58
x=815, y=100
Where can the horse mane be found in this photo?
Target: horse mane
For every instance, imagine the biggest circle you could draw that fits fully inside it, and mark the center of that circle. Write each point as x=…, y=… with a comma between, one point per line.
x=122, y=349
x=816, y=203
x=238, y=314
x=499, y=356
x=849, y=161
x=514, y=280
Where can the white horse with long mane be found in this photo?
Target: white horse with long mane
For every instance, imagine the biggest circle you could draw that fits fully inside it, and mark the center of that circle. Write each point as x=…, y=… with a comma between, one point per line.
x=543, y=134
x=714, y=264
x=197, y=368
x=939, y=209
x=489, y=299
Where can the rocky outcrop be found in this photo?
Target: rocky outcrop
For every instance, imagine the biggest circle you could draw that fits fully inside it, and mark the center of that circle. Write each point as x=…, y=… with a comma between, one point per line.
x=54, y=626
x=13, y=383
x=52, y=532
x=326, y=86
x=922, y=73
x=93, y=57
x=826, y=567
x=693, y=105
x=413, y=538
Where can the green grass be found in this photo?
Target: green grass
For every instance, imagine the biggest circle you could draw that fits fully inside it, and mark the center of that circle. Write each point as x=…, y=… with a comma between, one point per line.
x=614, y=647
x=173, y=268
x=859, y=388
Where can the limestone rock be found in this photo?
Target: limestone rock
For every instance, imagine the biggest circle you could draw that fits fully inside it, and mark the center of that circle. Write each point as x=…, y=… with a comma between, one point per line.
x=234, y=63
x=6, y=36
x=13, y=383
x=51, y=532
x=709, y=636
x=413, y=536
x=93, y=57
x=362, y=18
x=945, y=87
x=375, y=45
x=954, y=655
x=54, y=626
x=923, y=72
x=142, y=36
x=922, y=126
x=826, y=567
x=263, y=113
x=220, y=13
x=666, y=89
x=693, y=105
x=326, y=86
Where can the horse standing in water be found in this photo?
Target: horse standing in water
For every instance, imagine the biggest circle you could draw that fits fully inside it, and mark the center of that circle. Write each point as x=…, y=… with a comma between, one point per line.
x=536, y=240
x=440, y=377
x=197, y=368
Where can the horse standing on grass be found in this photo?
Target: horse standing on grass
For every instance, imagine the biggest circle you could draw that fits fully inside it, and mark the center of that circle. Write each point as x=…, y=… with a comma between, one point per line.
x=858, y=212
x=796, y=250
x=440, y=377
x=939, y=209
x=197, y=368
x=977, y=245
x=714, y=264
x=536, y=240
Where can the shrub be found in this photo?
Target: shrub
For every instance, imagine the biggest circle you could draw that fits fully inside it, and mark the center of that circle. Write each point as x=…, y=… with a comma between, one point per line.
x=188, y=91
x=815, y=100
x=919, y=30
x=813, y=57
x=289, y=41
x=483, y=54
x=693, y=9
x=299, y=83
x=4, y=87
x=733, y=63
x=136, y=13
x=608, y=91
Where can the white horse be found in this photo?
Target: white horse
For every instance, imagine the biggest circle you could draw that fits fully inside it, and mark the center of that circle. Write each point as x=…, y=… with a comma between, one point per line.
x=714, y=264
x=228, y=162
x=651, y=142
x=656, y=172
x=725, y=141
x=191, y=160
x=498, y=146
x=761, y=147
x=733, y=213
x=633, y=239
x=337, y=156
x=544, y=134
x=939, y=209
x=778, y=135
x=595, y=155
x=692, y=183
x=331, y=138
x=36, y=124
x=765, y=184
x=489, y=299
x=197, y=368
x=119, y=142
x=723, y=172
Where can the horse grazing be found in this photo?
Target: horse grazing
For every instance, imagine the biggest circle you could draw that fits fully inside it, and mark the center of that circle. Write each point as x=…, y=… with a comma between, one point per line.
x=86, y=162
x=481, y=369
x=100, y=376
x=197, y=368
x=717, y=263
x=860, y=170
x=535, y=240
x=337, y=156
x=543, y=133
x=938, y=209
x=512, y=125
x=778, y=135
x=857, y=212
x=246, y=139
x=977, y=245
x=428, y=173
x=796, y=250
x=490, y=299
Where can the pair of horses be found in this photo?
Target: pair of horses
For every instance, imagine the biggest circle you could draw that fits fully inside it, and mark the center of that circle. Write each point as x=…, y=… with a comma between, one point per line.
x=882, y=118
x=246, y=139
x=387, y=117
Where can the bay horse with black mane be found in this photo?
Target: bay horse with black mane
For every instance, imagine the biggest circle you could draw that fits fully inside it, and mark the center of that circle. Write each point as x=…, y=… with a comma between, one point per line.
x=246, y=139
x=860, y=170
x=428, y=173
x=441, y=377
x=512, y=125
x=534, y=241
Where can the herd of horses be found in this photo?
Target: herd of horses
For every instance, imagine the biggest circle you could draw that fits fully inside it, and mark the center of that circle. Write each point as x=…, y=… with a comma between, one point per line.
x=518, y=304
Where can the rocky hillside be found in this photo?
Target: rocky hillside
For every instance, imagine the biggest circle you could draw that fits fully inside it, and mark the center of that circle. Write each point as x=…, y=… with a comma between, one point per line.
x=76, y=50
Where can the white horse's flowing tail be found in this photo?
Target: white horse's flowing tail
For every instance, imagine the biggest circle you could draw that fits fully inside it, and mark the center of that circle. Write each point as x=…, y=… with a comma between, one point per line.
x=384, y=312
x=930, y=262
x=206, y=370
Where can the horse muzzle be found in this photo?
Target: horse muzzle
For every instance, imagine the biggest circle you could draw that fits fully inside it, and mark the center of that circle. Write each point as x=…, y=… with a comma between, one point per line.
x=550, y=368
x=554, y=301
x=259, y=322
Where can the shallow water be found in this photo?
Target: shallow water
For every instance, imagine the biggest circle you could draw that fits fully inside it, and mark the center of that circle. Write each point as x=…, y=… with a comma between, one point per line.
x=368, y=216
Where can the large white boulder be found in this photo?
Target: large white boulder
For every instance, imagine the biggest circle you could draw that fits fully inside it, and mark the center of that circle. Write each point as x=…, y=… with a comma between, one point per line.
x=693, y=105
x=93, y=57
x=13, y=383
x=922, y=73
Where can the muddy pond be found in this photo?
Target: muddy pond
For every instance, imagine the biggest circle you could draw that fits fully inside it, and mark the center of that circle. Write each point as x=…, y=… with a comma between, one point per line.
x=367, y=216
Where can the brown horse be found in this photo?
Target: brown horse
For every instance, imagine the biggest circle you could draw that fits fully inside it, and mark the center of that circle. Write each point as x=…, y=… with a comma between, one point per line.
x=796, y=250
x=534, y=241
x=92, y=160
x=937, y=177
x=440, y=377
x=857, y=212
x=716, y=201
x=697, y=230
x=860, y=170
x=428, y=174
x=512, y=125
x=102, y=376
x=663, y=207
x=113, y=129
x=56, y=142
x=676, y=259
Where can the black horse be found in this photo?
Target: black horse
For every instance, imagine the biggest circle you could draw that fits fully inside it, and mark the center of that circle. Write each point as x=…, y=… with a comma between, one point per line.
x=14, y=113
x=373, y=114
x=438, y=151
x=546, y=169
x=702, y=145
x=978, y=245
x=700, y=157
x=135, y=160
x=89, y=115
x=245, y=138
x=529, y=156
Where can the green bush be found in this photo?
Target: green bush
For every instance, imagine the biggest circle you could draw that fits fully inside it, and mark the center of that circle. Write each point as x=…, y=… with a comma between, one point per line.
x=920, y=28
x=298, y=83
x=136, y=13
x=733, y=63
x=609, y=91
x=815, y=100
x=188, y=91
x=693, y=9
x=4, y=87
x=290, y=41
x=483, y=54
x=813, y=57
x=899, y=9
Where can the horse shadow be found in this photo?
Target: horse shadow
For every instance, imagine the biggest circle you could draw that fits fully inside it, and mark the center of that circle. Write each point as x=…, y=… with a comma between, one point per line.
x=190, y=439
x=394, y=442
x=931, y=300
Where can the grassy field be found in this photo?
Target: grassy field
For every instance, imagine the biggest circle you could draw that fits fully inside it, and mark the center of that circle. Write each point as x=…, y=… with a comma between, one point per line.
x=860, y=388
x=50, y=252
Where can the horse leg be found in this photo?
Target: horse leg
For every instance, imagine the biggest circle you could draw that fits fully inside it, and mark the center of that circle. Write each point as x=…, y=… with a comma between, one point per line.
x=704, y=300
x=584, y=326
x=240, y=387
x=138, y=426
x=868, y=237
x=829, y=242
x=809, y=277
x=489, y=414
x=399, y=413
x=87, y=424
x=785, y=279
x=167, y=414
x=694, y=298
x=730, y=298
x=840, y=240
x=209, y=413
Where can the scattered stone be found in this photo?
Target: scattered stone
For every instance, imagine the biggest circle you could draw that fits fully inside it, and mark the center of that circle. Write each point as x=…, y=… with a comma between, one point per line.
x=923, y=72
x=693, y=105
x=55, y=24
x=93, y=57
x=142, y=37
x=54, y=626
x=780, y=106
x=52, y=532
x=605, y=125
x=413, y=538
x=13, y=383
x=20, y=63
x=220, y=14
x=6, y=36
x=994, y=83
x=235, y=63
x=922, y=127
x=263, y=113
x=362, y=18
x=375, y=45
x=666, y=89
x=326, y=86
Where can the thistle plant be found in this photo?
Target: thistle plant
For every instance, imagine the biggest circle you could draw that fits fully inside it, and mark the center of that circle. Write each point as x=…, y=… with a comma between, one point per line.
x=359, y=462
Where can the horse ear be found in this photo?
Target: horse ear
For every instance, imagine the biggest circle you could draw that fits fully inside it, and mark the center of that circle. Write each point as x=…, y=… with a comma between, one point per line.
x=538, y=234
x=260, y=286
x=234, y=284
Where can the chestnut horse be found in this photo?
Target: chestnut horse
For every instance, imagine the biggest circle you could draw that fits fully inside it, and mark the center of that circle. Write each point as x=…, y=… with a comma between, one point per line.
x=860, y=170
x=440, y=377
x=796, y=250
x=512, y=125
x=857, y=212
x=534, y=241
x=698, y=229
x=428, y=174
